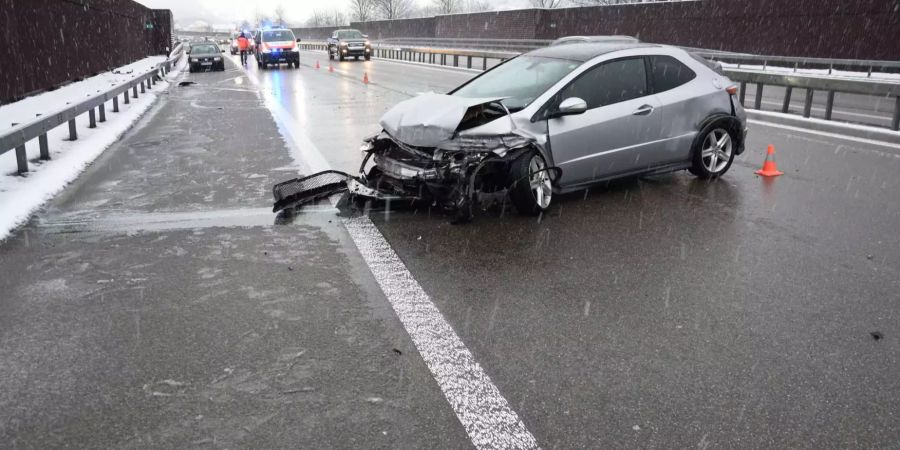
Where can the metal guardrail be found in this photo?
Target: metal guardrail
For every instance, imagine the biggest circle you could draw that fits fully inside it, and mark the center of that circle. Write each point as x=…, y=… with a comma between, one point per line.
x=855, y=65
x=867, y=66
x=95, y=106
x=811, y=83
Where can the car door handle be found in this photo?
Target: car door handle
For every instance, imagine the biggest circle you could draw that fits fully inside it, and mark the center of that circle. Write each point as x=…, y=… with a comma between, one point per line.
x=643, y=111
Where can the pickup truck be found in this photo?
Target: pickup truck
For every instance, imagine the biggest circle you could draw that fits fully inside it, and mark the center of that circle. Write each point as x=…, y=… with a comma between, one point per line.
x=346, y=43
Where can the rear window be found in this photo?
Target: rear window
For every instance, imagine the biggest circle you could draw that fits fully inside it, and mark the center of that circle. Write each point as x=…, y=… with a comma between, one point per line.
x=668, y=73
x=278, y=36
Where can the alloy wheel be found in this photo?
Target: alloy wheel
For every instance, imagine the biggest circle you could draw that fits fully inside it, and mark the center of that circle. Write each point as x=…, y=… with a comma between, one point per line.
x=717, y=149
x=541, y=186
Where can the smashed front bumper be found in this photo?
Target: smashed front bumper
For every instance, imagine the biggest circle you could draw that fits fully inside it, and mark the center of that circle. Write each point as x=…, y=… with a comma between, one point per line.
x=302, y=191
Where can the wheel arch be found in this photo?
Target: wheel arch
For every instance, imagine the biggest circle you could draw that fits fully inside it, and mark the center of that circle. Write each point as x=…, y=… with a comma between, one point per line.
x=731, y=124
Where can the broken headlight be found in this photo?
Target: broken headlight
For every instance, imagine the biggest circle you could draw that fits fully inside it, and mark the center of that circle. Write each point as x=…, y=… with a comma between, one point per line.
x=491, y=143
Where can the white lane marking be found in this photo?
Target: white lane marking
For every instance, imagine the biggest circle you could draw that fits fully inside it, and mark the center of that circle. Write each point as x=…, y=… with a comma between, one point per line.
x=480, y=407
x=484, y=413
x=825, y=134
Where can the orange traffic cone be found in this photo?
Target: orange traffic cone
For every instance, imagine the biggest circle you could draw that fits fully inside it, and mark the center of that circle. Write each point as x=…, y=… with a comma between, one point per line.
x=769, y=168
x=366, y=78
x=317, y=65
x=330, y=67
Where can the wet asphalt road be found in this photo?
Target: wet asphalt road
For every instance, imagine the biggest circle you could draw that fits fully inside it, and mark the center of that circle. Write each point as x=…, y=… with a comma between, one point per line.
x=157, y=304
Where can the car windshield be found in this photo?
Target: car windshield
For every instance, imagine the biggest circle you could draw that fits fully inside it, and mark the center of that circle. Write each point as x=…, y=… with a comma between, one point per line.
x=520, y=80
x=278, y=35
x=350, y=34
x=204, y=48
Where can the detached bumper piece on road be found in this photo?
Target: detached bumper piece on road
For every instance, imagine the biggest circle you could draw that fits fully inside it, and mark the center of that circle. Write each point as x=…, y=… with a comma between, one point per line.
x=303, y=191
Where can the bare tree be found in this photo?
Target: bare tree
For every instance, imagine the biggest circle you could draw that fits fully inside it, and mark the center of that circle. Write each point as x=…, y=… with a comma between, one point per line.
x=278, y=17
x=477, y=6
x=326, y=18
x=446, y=6
x=362, y=10
x=547, y=4
x=393, y=9
x=336, y=18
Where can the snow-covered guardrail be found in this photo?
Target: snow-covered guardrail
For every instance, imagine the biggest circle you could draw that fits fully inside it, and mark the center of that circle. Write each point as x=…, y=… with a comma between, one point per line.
x=37, y=128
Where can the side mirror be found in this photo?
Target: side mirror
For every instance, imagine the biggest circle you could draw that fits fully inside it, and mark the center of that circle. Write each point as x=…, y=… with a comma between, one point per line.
x=571, y=106
x=298, y=39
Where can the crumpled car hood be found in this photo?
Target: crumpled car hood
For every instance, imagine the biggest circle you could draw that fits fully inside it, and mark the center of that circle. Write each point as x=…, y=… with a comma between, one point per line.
x=429, y=119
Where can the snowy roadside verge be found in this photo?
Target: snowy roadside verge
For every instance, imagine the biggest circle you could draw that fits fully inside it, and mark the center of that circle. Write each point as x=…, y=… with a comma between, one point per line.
x=20, y=196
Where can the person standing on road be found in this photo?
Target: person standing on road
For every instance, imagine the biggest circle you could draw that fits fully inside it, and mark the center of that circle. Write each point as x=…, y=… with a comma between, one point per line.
x=244, y=47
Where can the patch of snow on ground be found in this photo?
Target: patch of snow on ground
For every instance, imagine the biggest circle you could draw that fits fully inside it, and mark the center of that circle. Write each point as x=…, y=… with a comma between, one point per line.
x=20, y=196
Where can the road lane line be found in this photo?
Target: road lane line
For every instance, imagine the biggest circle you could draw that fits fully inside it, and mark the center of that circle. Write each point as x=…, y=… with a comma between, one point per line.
x=825, y=134
x=483, y=411
x=478, y=404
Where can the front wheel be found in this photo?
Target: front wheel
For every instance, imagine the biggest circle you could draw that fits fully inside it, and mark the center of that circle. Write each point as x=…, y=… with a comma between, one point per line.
x=713, y=152
x=368, y=57
x=531, y=190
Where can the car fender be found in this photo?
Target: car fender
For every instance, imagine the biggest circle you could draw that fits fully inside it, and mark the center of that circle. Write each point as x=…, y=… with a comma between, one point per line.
x=731, y=123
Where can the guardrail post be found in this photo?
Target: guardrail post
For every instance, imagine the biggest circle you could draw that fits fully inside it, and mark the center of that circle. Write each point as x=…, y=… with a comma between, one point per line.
x=73, y=132
x=895, y=125
x=134, y=91
x=829, y=105
x=743, y=95
x=787, y=99
x=870, y=72
x=21, y=159
x=92, y=119
x=469, y=62
x=143, y=88
x=484, y=63
x=102, y=110
x=455, y=60
x=116, y=103
x=45, y=148
x=807, y=105
x=759, y=91
x=830, y=68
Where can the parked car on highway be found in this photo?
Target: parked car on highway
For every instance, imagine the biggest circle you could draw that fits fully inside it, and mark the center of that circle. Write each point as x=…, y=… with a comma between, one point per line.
x=205, y=56
x=276, y=47
x=349, y=43
x=554, y=120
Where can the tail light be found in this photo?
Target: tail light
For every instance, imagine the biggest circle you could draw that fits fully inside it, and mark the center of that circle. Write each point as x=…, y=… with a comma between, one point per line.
x=733, y=90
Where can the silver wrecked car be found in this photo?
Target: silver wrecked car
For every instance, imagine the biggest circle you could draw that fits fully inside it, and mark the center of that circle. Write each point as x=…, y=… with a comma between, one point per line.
x=554, y=120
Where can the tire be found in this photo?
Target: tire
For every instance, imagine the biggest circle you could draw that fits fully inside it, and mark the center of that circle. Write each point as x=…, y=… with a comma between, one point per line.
x=368, y=57
x=529, y=201
x=714, y=144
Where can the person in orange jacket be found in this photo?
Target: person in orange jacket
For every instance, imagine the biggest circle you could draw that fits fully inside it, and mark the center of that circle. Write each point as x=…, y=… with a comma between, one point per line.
x=244, y=47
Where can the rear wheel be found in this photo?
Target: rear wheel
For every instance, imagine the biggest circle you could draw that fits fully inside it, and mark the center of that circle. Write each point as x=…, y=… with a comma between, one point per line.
x=531, y=190
x=713, y=152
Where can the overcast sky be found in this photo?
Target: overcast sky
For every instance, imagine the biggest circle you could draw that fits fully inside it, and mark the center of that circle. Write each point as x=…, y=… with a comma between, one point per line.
x=225, y=12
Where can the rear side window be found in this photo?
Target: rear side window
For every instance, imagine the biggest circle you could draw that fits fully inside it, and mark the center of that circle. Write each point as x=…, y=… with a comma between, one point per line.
x=668, y=73
x=609, y=83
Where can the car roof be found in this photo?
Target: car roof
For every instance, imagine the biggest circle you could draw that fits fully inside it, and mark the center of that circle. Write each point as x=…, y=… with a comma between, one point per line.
x=604, y=38
x=586, y=51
